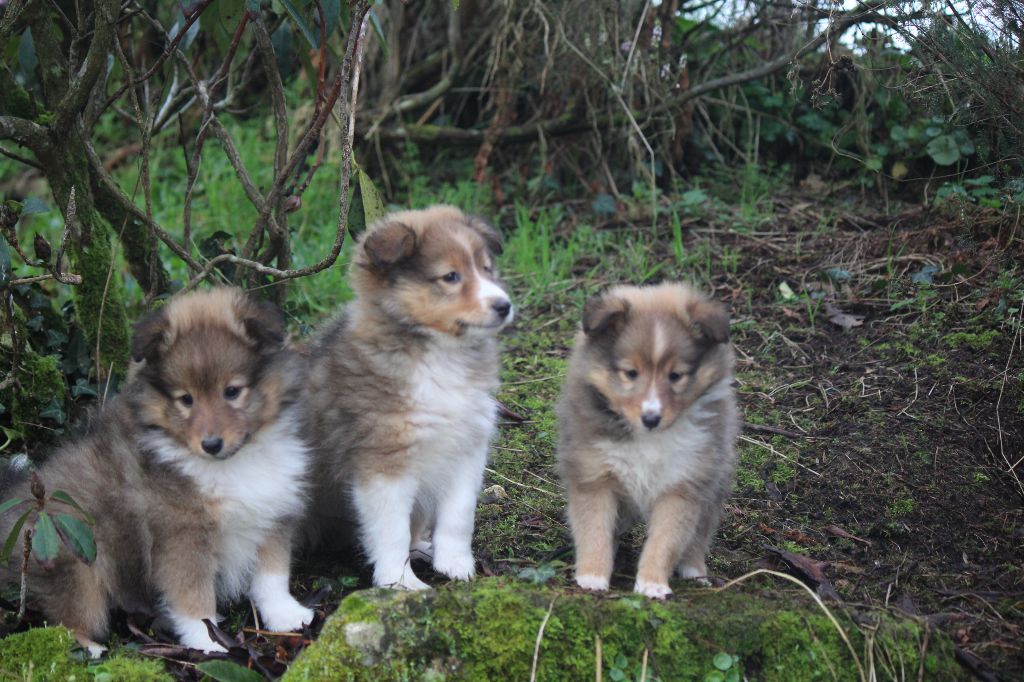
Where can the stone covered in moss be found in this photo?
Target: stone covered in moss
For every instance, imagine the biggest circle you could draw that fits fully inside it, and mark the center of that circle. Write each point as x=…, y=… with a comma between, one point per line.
x=44, y=654
x=487, y=630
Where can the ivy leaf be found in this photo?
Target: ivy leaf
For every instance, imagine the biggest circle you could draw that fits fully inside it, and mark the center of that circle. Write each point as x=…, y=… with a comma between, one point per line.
x=77, y=537
x=226, y=671
x=45, y=542
x=944, y=150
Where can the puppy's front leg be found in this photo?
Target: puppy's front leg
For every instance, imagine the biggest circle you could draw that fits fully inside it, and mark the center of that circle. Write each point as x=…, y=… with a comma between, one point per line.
x=384, y=505
x=453, y=531
x=186, y=576
x=670, y=528
x=593, y=509
x=280, y=611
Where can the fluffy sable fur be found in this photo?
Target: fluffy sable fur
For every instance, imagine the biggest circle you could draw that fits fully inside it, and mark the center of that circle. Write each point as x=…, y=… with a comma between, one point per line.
x=195, y=475
x=647, y=429
x=400, y=408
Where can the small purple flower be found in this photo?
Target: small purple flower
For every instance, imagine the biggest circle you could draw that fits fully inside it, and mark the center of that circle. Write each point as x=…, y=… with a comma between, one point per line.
x=626, y=46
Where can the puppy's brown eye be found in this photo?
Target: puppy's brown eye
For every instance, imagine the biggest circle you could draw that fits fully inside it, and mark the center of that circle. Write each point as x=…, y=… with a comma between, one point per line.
x=631, y=373
x=185, y=399
x=232, y=392
x=674, y=376
x=452, y=277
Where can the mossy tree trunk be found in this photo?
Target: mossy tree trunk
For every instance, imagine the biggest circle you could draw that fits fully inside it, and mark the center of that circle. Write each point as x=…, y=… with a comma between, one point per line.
x=54, y=125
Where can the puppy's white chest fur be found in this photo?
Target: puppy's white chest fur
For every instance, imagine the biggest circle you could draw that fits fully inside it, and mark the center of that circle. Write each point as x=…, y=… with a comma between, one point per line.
x=650, y=463
x=451, y=407
x=250, y=492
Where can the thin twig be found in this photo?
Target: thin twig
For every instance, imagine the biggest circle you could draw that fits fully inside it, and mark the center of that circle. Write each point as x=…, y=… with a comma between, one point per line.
x=540, y=636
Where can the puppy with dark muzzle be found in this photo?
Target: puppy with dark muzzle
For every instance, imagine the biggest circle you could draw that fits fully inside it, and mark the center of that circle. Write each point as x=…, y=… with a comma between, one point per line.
x=647, y=423
x=401, y=409
x=195, y=474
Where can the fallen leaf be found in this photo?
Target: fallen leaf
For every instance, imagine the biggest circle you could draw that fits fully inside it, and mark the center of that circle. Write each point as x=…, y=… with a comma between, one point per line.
x=839, y=532
x=841, y=319
x=812, y=571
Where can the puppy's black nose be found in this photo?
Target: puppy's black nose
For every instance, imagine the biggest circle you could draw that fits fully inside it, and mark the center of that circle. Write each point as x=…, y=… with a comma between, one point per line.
x=213, y=445
x=502, y=307
x=651, y=420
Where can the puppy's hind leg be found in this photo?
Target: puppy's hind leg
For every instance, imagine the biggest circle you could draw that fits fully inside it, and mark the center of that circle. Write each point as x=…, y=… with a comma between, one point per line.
x=456, y=509
x=384, y=505
x=280, y=611
x=78, y=601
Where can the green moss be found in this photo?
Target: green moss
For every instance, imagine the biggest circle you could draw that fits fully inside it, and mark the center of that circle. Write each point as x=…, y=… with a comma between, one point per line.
x=487, y=630
x=93, y=295
x=125, y=669
x=42, y=654
x=975, y=341
x=40, y=386
x=39, y=654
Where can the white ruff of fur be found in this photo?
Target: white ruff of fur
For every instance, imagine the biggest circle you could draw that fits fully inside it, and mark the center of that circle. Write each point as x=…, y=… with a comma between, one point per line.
x=261, y=484
x=652, y=462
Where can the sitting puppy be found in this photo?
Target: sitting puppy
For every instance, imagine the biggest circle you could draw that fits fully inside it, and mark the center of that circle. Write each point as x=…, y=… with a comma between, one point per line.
x=195, y=474
x=647, y=428
x=400, y=409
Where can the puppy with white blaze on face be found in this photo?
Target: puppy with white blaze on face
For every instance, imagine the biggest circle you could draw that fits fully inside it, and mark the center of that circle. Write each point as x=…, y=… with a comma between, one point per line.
x=401, y=409
x=648, y=424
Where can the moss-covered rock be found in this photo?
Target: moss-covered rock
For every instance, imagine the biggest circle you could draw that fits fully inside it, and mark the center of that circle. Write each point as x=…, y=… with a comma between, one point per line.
x=487, y=630
x=44, y=654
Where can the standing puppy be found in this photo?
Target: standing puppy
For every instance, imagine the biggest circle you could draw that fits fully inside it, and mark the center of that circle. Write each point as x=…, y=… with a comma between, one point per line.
x=401, y=407
x=195, y=474
x=648, y=423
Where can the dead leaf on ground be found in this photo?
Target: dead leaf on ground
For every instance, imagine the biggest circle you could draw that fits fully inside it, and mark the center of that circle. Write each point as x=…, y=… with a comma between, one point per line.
x=839, y=532
x=810, y=570
x=842, y=319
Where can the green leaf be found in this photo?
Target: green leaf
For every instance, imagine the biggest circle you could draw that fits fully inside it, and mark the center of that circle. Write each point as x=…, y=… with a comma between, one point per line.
x=375, y=23
x=10, y=504
x=944, y=150
x=296, y=16
x=722, y=661
x=77, y=537
x=373, y=206
x=786, y=291
x=226, y=671
x=621, y=661
x=45, y=542
x=714, y=676
x=873, y=164
x=12, y=538
x=616, y=675
x=62, y=496
x=732, y=676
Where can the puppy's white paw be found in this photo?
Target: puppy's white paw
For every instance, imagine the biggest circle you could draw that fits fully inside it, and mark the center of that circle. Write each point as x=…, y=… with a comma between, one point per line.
x=698, y=574
x=422, y=549
x=409, y=582
x=592, y=582
x=285, y=615
x=652, y=590
x=196, y=638
x=460, y=566
x=95, y=650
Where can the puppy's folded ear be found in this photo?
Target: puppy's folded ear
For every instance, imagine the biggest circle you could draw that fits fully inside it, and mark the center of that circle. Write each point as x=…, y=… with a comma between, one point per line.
x=604, y=315
x=264, y=323
x=491, y=236
x=709, y=321
x=149, y=335
x=390, y=244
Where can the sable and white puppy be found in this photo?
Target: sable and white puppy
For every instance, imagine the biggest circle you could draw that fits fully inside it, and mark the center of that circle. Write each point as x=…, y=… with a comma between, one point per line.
x=400, y=393
x=647, y=428
x=195, y=474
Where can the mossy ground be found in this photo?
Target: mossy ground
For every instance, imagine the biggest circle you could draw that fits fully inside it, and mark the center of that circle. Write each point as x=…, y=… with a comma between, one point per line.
x=50, y=655
x=489, y=631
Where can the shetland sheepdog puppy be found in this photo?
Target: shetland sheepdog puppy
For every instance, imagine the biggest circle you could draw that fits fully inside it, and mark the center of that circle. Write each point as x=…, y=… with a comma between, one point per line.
x=195, y=475
x=647, y=423
x=400, y=403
